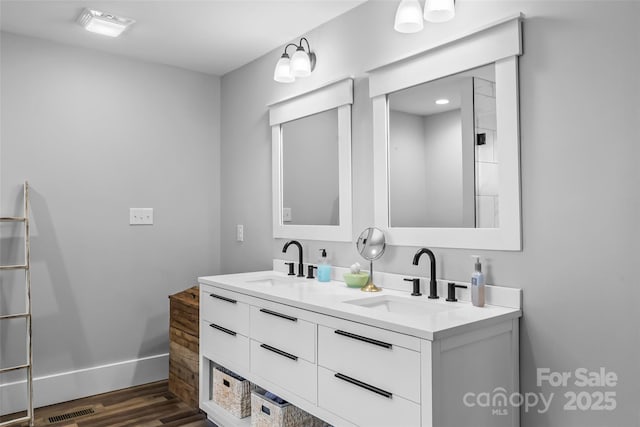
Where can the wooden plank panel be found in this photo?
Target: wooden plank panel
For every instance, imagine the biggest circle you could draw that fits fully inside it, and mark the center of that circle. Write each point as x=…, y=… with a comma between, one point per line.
x=184, y=339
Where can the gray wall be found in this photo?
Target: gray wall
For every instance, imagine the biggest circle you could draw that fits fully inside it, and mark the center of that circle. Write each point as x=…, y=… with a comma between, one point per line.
x=96, y=134
x=579, y=97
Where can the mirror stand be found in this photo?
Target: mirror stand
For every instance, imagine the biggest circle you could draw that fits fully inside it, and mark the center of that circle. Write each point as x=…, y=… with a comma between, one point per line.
x=370, y=287
x=371, y=246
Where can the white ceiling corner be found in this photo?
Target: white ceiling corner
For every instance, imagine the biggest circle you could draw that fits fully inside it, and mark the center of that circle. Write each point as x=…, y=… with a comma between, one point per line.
x=209, y=36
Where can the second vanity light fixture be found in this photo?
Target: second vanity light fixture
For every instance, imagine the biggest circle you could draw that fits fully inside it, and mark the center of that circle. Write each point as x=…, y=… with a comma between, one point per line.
x=409, y=16
x=301, y=63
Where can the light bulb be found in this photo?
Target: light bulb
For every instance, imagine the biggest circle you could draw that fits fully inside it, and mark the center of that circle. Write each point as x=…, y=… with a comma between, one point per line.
x=409, y=17
x=439, y=10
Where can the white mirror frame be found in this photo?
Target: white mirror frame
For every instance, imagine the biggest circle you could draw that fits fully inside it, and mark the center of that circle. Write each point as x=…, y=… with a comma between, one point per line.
x=337, y=95
x=499, y=43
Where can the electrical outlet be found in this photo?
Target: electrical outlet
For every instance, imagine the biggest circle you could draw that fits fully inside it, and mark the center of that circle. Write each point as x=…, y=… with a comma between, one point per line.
x=240, y=233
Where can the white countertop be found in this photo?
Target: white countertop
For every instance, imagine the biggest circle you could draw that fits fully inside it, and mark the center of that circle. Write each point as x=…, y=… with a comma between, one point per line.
x=329, y=299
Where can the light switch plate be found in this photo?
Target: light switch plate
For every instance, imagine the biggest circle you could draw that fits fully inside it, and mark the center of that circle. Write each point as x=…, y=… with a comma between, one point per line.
x=140, y=216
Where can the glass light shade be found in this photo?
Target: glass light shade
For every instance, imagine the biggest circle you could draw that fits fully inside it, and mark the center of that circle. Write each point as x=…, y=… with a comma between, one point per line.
x=282, y=72
x=300, y=63
x=439, y=10
x=408, y=17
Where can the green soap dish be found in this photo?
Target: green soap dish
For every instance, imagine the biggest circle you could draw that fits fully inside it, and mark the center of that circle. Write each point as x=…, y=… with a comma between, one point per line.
x=356, y=280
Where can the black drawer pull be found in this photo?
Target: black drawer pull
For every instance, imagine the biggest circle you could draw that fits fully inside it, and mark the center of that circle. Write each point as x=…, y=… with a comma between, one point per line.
x=283, y=316
x=232, y=301
x=361, y=338
x=366, y=386
x=221, y=329
x=280, y=352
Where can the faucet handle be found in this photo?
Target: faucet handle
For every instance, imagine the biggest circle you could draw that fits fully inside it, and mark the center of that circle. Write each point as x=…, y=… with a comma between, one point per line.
x=290, y=264
x=451, y=291
x=310, y=271
x=416, y=285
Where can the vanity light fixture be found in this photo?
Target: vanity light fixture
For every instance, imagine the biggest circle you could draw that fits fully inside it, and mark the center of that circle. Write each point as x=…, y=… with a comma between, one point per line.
x=442, y=101
x=104, y=23
x=301, y=64
x=439, y=10
x=409, y=16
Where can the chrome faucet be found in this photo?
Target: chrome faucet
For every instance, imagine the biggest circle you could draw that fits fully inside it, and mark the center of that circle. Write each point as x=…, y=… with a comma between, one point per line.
x=300, y=265
x=433, y=285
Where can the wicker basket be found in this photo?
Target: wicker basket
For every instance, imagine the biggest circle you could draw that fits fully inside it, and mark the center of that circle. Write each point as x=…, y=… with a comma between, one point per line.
x=232, y=393
x=267, y=413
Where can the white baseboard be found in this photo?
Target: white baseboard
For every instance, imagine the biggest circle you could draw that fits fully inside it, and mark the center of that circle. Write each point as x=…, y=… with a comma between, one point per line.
x=65, y=386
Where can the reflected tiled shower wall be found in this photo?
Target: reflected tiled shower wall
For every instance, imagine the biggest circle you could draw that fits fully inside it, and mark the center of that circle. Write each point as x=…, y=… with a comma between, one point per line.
x=486, y=160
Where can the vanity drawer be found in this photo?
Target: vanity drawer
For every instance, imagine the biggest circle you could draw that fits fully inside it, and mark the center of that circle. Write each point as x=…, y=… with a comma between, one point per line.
x=223, y=345
x=282, y=328
x=360, y=356
x=223, y=308
x=358, y=402
x=286, y=370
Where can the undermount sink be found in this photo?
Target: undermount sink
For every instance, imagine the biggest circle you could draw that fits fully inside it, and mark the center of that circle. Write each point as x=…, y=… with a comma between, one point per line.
x=400, y=305
x=274, y=281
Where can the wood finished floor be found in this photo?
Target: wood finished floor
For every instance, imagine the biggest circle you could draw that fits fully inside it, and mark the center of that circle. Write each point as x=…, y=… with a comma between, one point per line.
x=147, y=405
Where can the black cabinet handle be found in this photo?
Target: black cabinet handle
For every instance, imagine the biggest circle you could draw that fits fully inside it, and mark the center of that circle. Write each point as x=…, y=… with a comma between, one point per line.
x=365, y=386
x=361, y=338
x=280, y=352
x=220, y=328
x=232, y=301
x=283, y=316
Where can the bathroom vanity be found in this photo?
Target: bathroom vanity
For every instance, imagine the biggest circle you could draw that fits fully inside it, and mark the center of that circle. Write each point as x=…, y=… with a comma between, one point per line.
x=360, y=359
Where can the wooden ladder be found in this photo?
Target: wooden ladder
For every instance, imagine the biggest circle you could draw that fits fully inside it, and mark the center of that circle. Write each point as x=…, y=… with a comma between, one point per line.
x=26, y=314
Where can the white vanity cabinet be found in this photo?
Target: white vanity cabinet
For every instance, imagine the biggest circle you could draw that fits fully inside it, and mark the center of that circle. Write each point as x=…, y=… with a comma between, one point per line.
x=349, y=373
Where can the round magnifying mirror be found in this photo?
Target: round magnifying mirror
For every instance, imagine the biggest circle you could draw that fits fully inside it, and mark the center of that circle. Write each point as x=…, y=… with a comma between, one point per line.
x=371, y=246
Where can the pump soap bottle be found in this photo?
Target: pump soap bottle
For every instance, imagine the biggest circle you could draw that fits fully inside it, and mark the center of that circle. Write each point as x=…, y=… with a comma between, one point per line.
x=477, y=284
x=324, y=268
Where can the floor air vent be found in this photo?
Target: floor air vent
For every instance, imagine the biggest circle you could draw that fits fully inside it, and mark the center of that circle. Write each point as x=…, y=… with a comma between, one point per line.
x=70, y=415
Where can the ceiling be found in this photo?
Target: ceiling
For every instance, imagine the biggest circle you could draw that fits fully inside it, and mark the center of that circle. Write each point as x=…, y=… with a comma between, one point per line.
x=210, y=36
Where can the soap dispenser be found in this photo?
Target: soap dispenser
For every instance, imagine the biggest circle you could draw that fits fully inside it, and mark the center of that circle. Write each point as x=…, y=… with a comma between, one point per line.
x=324, y=268
x=477, y=284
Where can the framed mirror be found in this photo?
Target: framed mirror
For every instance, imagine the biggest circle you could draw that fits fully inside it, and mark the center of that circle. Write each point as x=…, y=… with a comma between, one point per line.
x=446, y=143
x=443, y=152
x=311, y=161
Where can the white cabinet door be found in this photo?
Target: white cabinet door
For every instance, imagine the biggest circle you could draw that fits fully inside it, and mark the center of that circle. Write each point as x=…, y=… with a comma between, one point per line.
x=362, y=404
x=224, y=346
x=287, y=370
